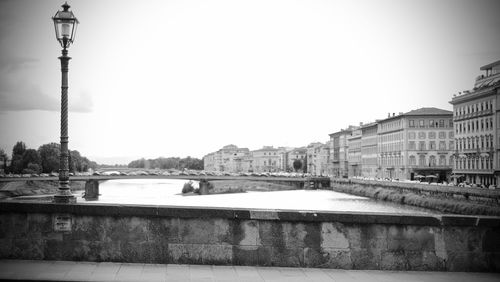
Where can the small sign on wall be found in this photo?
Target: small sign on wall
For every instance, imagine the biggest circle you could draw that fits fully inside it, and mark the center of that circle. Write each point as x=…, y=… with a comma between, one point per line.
x=62, y=222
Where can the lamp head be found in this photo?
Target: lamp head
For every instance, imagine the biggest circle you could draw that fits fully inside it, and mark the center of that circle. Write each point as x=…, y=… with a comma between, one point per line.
x=65, y=24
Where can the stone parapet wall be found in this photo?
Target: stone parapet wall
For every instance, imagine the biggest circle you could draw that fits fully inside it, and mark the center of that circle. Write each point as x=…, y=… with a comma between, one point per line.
x=152, y=234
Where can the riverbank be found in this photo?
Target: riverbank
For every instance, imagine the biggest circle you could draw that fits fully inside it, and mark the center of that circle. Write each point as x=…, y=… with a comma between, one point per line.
x=34, y=188
x=434, y=201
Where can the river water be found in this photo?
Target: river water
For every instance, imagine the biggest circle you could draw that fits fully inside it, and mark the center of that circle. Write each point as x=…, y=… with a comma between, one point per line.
x=167, y=192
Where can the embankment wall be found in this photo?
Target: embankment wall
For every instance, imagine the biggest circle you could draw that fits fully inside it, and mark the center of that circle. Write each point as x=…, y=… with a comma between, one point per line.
x=153, y=234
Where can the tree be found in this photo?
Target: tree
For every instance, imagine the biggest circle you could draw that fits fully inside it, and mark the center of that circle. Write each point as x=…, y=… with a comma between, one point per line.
x=16, y=165
x=49, y=155
x=297, y=164
x=19, y=148
x=3, y=160
x=31, y=156
x=32, y=169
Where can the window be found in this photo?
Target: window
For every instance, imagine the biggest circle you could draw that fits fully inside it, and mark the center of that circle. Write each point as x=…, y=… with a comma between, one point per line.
x=432, y=145
x=411, y=145
x=442, y=135
x=452, y=145
x=411, y=135
x=450, y=135
x=421, y=123
x=413, y=160
x=450, y=123
x=432, y=135
x=421, y=135
x=431, y=123
x=421, y=145
x=421, y=160
x=442, y=145
x=441, y=123
x=432, y=161
x=442, y=160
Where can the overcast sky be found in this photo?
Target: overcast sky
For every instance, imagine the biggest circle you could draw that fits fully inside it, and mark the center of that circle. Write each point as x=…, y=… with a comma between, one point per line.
x=178, y=78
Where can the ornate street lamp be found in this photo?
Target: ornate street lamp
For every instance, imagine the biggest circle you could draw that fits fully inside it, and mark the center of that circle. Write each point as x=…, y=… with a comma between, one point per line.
x=65, y=24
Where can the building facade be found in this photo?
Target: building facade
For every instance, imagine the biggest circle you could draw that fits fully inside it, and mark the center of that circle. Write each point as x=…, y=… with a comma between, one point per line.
x=318, y=156
x=338, y=152
x=267, y=159
x=299, y=154
x=354, y=153
x=229, y=158
x=416, y=145
x=369, y=155
x=477, y=129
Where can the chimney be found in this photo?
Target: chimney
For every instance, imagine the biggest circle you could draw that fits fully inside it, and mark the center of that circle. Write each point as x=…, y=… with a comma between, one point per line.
x=388, y=115
x=393, y=114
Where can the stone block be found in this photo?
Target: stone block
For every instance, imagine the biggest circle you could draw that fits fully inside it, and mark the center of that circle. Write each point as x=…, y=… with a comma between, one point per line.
x=394, y=260
x=132, y=229
x=313, y=257
x=92, y=228
x=27, y=249
x=493, y=262
x=165, y=230
x=14, y=225
x=491, y=241
x=245, y=255
x=312, y=238
x=246, y=233
x=337, y=258
x=410, y=238
x=271, y=234
x=264, y=254
x=286, y=257
x=83, y=250
x=333, y=236
x=205, y=231
x=371, y=237
x=143, y=252
x=5, y=248
x=364, y=259
x=463, y=239
x=107, y=251
x=467, y=261
x=39, y=224
x=54, y=249
x=200, y=254
x=294, y=234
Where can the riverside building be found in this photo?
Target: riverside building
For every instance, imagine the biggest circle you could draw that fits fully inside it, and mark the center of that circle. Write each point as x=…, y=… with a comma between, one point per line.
x=369, y=166
x=415, y=145
x=318, y=157
x=267, y=159
x=339, y=152
x=354, y=153
x=228, y=159
x=476, y=129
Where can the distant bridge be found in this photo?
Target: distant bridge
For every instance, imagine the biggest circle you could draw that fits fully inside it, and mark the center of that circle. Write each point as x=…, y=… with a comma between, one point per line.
x=92, y=181
x=186, y=177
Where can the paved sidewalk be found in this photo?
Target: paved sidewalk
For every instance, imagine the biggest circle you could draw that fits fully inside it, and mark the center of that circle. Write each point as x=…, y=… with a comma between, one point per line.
x=89, y=271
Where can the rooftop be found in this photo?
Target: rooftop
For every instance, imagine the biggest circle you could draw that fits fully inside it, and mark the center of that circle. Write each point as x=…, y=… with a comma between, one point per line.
x=428, y=112
x=490, y=65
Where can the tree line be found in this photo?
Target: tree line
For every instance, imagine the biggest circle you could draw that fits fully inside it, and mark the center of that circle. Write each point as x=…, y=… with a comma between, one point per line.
x=44, y=160
x=168, y=163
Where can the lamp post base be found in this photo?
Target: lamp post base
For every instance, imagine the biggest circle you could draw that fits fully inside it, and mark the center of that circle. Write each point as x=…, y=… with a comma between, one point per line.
x=64, y=196
x=64, y=199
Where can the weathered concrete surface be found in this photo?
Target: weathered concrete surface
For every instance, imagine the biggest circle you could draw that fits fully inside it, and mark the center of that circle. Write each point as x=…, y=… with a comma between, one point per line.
x=151, y=234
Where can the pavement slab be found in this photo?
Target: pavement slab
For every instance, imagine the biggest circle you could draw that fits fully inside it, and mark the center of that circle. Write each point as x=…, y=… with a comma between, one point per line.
x=29, y=270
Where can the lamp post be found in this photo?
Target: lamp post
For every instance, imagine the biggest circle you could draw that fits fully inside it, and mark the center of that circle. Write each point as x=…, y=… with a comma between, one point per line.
x=65, y=24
